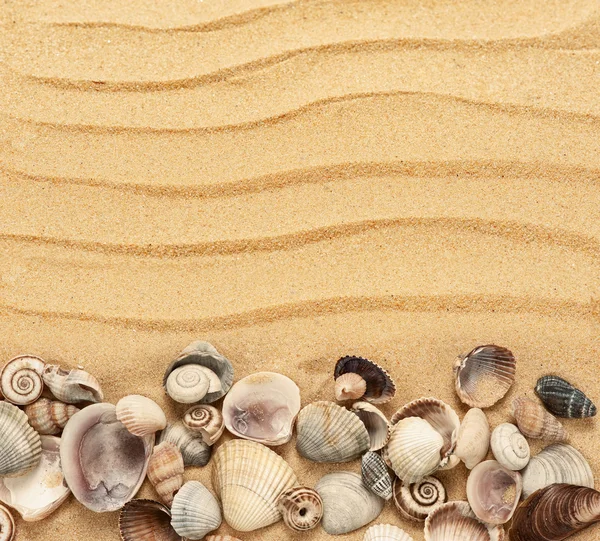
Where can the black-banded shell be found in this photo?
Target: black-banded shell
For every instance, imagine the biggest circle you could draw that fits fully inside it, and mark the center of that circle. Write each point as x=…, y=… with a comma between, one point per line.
x=73, y=385
x=375, y=475
x=21, y=379
x=386, y=532
x=375, y=422
x=301, y=508
x=416, y=501
x=195, y=451
x=146, y=520
x=455, y=521
x=379, y=388
x=20, y=444
x=7, y=525
x=563, y=399
x=195, y=511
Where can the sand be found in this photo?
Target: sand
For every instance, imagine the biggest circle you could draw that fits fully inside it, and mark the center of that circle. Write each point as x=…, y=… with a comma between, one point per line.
x=295, y=181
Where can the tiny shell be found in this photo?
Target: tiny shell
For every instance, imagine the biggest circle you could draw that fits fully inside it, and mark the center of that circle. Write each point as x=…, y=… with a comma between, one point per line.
x=21, y=379
x=386, y=532
x=140, y=415
x=194, y=450
x=562, y=399
x=301, y=508
x=165, y=470
x=379, y=386
x=473, y=438
x=20, y=445
x=455, y=521
x=375, y=422
x=49, y=416
x=375, y=475
x=535, y=422
x=416, y=501
x=146, y=520
x=207, y=420
x=195, y=511
x=510, y=447
x=72, y=386
x=7, y=525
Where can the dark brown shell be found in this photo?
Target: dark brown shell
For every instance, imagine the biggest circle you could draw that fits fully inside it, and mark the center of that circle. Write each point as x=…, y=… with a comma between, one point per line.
x=146, y=520
x=563, y=399
x=380, y=386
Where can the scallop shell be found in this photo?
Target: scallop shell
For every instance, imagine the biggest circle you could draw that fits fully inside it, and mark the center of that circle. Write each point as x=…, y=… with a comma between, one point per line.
x=386, y=532
x=7, y=525
x=416, y=501
x=347, y=503
x=378, y=384
x=484, y=376
x=557, y=463
x=375, y=475
x=327, y=432
x=21, y=379
x=72, y=386
x=455, y=521
x=146, y=520
x=562, y=399
x=194, y=450
x=473, y=438
x=165, y=470
x=375, y=422
x=190, y=383
x=207, y=421
x=262, y=407
x=535, y=422
x=195, y=511
x=49, y=416
x=20, y=445
x=140, y=415
x=301, y=508
x=204, y=354
x=509, y=446
x=249, y=478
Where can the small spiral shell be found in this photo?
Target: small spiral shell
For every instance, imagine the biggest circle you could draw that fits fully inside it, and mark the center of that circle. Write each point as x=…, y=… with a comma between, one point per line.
x=49, y=416
x=207, y=420
x=21, y=379
x=188, y=384
x=301, y=508
x=7, y=525
x=417, y=500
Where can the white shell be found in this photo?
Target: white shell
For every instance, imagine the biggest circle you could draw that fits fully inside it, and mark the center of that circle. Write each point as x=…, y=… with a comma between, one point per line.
x=386, y=532
x=20, y=445
x=375, y=422
x=455, y=521
x=473, y=438
x=510, y=447
x=453, y=461
x=189, y=383
x=7, y=525
x=72, y=386
x=21, y=379
x=140, y=415
x=195, y=511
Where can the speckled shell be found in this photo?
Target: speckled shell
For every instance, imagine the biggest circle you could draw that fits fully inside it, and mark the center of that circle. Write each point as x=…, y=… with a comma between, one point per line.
x=535, y=422
x=194, y=450
x=375, y=475
x=380, y=387
x=301, y=508
x=386, y=532
x=7, y=525
x=165, y=470
x=20, y=444
x=49, y=416
x=509, y=446
x=72, y=386
x=416, y=501
x=563, y=399
x=140, y=415
x=375, y=422
x=21, y=379
x=195, y=511
x=146, y=520
x=455, y=521
x=473, y=438
x=207, y=420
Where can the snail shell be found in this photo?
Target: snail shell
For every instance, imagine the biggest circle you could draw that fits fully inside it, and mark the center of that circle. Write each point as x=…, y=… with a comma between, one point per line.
x=146, y=520
x=356, y=378
x=473, y=438
x=72, y=386
x=375, y=475
x=7, y=525
x=20, y=444
x=140, y=415
x=49, y=416
x=207, y=420
x=417, y=500
x=195, y=511
x=455, y=521
x=535, y=422
x=301, y=508
x=562, y=399
x=190, y=383
x=375, y=422
x=165, y=470
x=386, y=532
x=21, y=379
x=193, y=449
x=509, y=446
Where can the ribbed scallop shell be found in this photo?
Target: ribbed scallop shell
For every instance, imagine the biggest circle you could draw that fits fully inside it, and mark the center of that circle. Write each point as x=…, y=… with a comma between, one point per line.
x=194, y=450
x=416, y=501
x=20, y=444
x=484, y=376
x=455, y=521
x=386, y=532
x=375, y=422
x=165, y=470
x=535, y=422
x=249, y=478
x=195, y=511
x=207, y=420
x=7, y=525
x=563, y=399
x=140, y=415
x=146, y=520
x=49, y=416
x=327, y=432
x=301, y=508
x=375, y=475
x=473, y=438
x=380, y=387
x=72, y=386
x=21, y=379
x=509, y=446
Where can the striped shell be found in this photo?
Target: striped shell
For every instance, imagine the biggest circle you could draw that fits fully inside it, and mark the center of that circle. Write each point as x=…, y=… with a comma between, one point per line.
x=195, y=511
x=193, y=449
x=21, y=379
x=140, y=415
x=455, y=521
x=373, y=382
x=165, y=470
x=386, y=532
x=49, y=416
x=416, y=501
x=375, y=422
x=375, y=475
x=146, y=520
x=20, y=445
x=535, y=422
x=301, y=508
x=207, y=420
x=563, y=399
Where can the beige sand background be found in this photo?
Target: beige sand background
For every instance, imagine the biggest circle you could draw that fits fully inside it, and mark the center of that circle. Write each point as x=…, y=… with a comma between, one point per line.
x=295, y=181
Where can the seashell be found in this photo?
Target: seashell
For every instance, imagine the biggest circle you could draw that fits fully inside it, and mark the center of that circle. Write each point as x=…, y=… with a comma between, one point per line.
x=301, y=508
x=221, y=538
x=373, y=383
x=20, y=445
x=375, y=422
x=103, y=463
x=417, y=501
x=347, y=503
x=21, y=379
x=510, y=447
x=140, y=415
x=165, y=470
x=375, y=475
x=72, y=386
x=195, y=511
x=262, y=407
x=206, y=420
x=146, y=520
x=7, y=525
x=557, y=463
x=535, y=422
x=49, y=416
x=194, y=450
x=473, y=439
x=455, y=521
x=205, y=355
x=249, y=478
x=555, y=513
x=493, y=492
x=562, y=399
x=484, y=376
x=453, y=461
x=190, y=383
x=386, y=532
x=327, y=432
x=41, y=491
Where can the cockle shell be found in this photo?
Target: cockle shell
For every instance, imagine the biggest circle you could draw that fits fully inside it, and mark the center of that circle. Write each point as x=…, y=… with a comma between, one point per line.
x=484, y=376
x=103, y=463
x=146, y=520
x=49, y=416
x=374, y=384
x=7, y=525
x=72, y=386
x=535, y=422
x=473, y=438
x=557, y=463
x=347, y=503
x=386, y=532
x=249, y=478
x=165, y=470
x=416, y=501
x=21, y=379
x=20, y=444
x=206, y=420
x=327, y=432
x=375, y=422
x=509, y=446
x=262, y=407
x=455, y=521
x=375, y=475
x=140, y=415
x=562, y=399
x=194, y=450
x=301, y=508
x=195, y=511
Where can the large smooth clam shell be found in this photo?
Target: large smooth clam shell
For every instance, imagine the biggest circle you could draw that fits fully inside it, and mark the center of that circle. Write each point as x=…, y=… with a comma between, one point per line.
x=379, y=388
x=146, y=520
x=375, y=475
x=195, y=511
x=455, y=521
x=301, y=508
x=194, y=450
x=535, y=422
x=21, y=379
x=20, y=444
x=509, y=446
x=72, y=386
x=49, y=416
x=473, y=438
x=140, y=415
x=386, y=532
x=375, y=422
x=416, y=501
x=563, y=399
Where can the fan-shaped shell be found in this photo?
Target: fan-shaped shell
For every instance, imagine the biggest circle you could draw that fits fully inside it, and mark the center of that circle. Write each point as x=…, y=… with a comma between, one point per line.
x=535, y=422
x=455, y=521
x=21, y=379
x=375, y=475
x=207, y=420
x=194, y=450
x=20, y=445
x=347, y=503
x=249, y=478
x=416, y=501
x=140, y=415
x=7, y=525
x=379, y=387
x=473, y=438
x=195, y=511
x=146, y=520
x=165, y=470
x=49, y=416
x=72, y=386
x=375, y=422
x=509, y=446
x=563, y=399
x=386, y=532
x=301, y=508
x=327, y=432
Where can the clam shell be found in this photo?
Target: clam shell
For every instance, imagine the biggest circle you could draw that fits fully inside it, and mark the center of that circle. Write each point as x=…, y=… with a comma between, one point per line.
x=379, y=386
x=206, y=420
x=375, y=475
x=190, y=383
x=473, y=438
x=386, y=532
x=20, y=445
x=375, y=422
x=484, y=376
x=146, y=520
x=455, y=521
x=194, y=450
x=140, y=415
x=7, y=525
x=416, y=501
x=557, y=463
x=301, y=508
x=327, y=432
x=262, y=407
x=562, y=399
x=347, y=503
x=21, y=379
x=49, y=416
x=195, y=511
x=249, y=478
x=509, y=446
x=165, y=470
x=72, y=386
x=535, y=422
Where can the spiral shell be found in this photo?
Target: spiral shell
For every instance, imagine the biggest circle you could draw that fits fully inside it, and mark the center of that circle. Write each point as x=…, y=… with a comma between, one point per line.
x=356, y=378
x=21, y=379
x=195, y=511
x=535, y=422
x=509, y=446
x=417, y=500
x=564, y=400
x=473, y=438
x=386, y=532
x=20, y=444
x=49, y=416
x=7, y=525
x=207, y=420
x=455, y=521
x=193, y=449
x=375, y=475
x=72, y=386
x=146, y=520
x=190, y=383
x=301, y=508
x=165, y=470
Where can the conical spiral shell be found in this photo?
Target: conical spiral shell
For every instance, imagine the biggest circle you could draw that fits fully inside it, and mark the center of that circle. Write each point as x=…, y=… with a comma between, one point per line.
x=20, y=444
x=146, y=520
x=375, y=475
x=563, y=399
x=379, y=386
x=375, y=422
x=509, y=446
x=386, y=532
x=140, y=415
x=455, y=521
x=301, y=508
x=535, y=422
x=416, y=501
x=49, y=416
x=473, y=438
x=329, y=433
x=21, y=379
x=165, y=470
x=249, y=478
x=207, y=420
x=193, y=449
x=190, y=383
x=72, y=386
x=7, y=525
x=195, y=511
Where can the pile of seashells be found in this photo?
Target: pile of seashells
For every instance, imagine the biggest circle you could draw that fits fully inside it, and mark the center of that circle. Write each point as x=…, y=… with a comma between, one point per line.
x=106, y=451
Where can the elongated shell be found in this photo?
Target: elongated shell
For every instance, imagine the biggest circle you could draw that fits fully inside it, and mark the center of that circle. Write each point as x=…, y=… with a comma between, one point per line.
x=49, y=416
x=140, y=415
x=207, y=420
x=375, y=475
x=146, y=520
x=301, y=508
x=347, y=503
x=535, y=422
x=562, y=399
x=249, y=478
x=195, y=511
x=7, y=525
x=455, y=521
x=416, y=501
x=194, y=450
x=509, y=446
x=20, y=444
x=21, y=379
x=386, y=532
x=165, y=470
x=557, y=463
x=72, y=386
x=327, y=432
x=473, y=438
x=378, y=385
x=375, y=422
